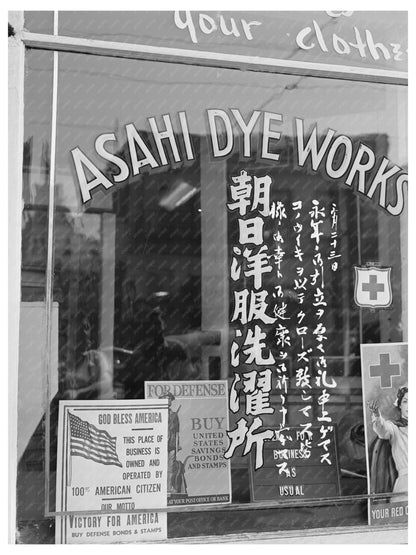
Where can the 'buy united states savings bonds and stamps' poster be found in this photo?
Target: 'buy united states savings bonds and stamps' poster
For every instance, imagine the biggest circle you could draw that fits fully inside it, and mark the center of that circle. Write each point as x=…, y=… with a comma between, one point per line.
x=198, y=473
x=112, y=458
x=385, y=397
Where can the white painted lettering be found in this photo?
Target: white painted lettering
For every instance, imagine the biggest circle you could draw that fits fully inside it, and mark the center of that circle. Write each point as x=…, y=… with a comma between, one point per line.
x=221, y=116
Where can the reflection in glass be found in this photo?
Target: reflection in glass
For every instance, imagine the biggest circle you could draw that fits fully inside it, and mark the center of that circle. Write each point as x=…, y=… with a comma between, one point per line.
x=142, y=284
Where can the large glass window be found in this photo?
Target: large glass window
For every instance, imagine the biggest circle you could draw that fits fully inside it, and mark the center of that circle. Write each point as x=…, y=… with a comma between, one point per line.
x=335, y=37
x=153, y=273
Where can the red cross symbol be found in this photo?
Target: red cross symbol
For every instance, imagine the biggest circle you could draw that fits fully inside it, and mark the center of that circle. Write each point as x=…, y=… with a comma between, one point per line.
x=385, y=370
x=373, y=287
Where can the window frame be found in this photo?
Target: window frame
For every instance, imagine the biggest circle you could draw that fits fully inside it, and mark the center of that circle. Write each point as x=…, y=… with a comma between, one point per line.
x=56, y=43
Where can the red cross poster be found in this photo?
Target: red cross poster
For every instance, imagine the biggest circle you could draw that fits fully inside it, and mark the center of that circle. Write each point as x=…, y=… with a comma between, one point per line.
x=385, y=398
x=198, y=473
x=111, y=471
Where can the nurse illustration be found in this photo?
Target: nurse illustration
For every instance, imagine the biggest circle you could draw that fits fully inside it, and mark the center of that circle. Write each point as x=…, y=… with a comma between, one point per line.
x=396, y=432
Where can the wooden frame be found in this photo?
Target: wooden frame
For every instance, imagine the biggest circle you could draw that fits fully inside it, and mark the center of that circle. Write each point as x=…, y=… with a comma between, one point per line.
x=140, y=52
x=210, y=59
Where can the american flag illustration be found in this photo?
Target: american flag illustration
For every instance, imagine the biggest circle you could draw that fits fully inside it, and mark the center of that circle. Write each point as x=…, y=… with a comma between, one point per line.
x=91, y=443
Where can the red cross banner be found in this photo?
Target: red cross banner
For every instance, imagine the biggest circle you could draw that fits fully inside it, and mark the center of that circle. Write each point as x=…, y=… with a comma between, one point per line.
x=385, y=400
x=373, y=287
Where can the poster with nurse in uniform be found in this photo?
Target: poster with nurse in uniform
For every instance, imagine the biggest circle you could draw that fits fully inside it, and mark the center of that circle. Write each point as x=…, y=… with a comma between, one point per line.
x=385, y=397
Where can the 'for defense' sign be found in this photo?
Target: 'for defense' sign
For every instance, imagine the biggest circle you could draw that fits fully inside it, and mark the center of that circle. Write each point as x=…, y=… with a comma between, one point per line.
x=197, y=472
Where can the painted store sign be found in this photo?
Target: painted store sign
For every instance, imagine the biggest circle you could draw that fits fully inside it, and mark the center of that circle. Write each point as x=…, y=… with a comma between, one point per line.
x=353, y=38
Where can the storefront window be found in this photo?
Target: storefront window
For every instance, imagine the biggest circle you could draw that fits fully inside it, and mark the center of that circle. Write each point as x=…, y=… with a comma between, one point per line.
x=207, y=224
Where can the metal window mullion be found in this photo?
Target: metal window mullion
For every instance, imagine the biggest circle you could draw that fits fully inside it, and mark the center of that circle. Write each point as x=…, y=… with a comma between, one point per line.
x=50, y=269
x=16, y=59
x=211, y=59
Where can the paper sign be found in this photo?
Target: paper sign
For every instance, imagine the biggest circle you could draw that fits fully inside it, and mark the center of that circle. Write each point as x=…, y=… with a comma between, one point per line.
x=293, y=468
x=384, y=376
x=198, y=473
x=112, y=456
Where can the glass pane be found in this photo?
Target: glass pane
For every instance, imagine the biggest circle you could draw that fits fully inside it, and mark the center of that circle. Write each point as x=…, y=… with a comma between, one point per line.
x=360, y=38
x=154, y=276
x=39, y=22
x=36, y=163
x=32, y=333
